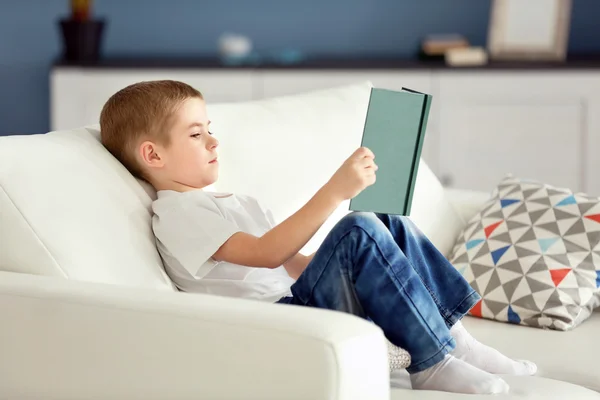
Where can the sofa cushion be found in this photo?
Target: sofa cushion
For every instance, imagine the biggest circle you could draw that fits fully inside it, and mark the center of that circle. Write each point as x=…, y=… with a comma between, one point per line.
x=570, y=356
x=533, y=254
x=69, y=209
x=282, y=150
x=521, y=387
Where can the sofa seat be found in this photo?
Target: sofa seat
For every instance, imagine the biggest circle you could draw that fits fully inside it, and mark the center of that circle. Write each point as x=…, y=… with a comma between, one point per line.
x=530, y=388
x=571, y=356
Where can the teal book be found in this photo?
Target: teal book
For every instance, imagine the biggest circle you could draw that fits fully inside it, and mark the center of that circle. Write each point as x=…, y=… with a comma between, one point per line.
x=394, y=130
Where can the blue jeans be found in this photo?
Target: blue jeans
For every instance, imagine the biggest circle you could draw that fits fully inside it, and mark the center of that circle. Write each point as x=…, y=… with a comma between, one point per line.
x=382, y=268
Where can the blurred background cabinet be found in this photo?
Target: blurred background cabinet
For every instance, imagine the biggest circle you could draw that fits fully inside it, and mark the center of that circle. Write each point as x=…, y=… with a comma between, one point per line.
x=78, y=94
x=533, y=124
x=484, y=123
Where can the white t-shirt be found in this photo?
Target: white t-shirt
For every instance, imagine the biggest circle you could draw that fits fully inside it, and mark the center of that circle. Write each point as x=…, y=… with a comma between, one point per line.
x=191, y=226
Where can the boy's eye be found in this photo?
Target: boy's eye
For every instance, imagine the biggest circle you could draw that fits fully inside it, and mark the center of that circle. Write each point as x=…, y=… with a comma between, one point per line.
x=195, y=135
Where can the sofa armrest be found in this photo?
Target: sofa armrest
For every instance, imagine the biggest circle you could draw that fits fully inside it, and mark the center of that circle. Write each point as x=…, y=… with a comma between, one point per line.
x=74, y=340
x=467, y=202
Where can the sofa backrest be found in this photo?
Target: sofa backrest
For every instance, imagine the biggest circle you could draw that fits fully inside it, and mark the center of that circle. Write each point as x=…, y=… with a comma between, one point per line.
x=282, y=150
x=68, y=208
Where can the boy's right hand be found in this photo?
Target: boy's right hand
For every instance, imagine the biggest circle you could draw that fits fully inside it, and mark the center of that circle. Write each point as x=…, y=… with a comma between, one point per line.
x=355, y=174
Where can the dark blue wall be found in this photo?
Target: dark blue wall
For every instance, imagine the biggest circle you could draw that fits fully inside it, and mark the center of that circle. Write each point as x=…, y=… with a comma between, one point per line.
x=29, y=39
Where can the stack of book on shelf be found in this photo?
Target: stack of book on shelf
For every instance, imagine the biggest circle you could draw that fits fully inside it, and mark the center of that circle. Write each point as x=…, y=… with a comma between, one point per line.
x=455, y=49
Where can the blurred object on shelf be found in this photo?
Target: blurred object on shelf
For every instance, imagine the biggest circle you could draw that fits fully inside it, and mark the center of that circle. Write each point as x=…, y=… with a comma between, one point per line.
x=435, y=46
x=235, y=48
x=466, y=57
x=81, y=9
x=287, y=57
x=529, y=30
x=82, y=35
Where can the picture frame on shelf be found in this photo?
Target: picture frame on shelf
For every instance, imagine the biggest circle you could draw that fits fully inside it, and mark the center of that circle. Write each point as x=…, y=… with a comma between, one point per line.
x=533, y=30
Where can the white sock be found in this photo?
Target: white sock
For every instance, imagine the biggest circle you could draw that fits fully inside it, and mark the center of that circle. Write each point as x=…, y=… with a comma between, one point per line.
x=486, y=358
x=454, y=375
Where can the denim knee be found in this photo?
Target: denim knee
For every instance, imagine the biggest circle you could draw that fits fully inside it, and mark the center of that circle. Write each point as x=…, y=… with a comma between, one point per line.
x=366, y=222
x=407, y=224
x=362, y=219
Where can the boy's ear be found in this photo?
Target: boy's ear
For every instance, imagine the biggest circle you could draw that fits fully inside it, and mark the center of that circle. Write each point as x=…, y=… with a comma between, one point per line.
x=151, y=154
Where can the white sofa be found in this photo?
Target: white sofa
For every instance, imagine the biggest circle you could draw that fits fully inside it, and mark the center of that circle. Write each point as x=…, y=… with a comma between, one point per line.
x=87, y=311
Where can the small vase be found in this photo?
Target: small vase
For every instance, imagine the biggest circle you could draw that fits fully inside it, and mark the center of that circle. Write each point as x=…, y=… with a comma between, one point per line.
x=82, y=40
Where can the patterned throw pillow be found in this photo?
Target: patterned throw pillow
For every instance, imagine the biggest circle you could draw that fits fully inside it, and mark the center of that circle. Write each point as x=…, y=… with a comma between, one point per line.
x=533, y=254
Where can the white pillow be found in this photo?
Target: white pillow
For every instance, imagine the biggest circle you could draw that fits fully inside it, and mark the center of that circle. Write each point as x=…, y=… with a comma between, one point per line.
x=69, y=209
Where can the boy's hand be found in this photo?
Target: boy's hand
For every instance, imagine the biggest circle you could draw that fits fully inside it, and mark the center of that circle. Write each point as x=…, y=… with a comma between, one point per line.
x=355, y=174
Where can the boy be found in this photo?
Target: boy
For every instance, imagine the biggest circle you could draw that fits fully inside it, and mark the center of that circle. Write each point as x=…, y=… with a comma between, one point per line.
x=375, y=266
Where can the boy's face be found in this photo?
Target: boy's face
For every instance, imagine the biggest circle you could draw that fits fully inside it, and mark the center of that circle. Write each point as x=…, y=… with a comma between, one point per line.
x=190, y=161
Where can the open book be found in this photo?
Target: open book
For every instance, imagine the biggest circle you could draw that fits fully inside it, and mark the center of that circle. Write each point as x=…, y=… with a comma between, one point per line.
x=394, y=130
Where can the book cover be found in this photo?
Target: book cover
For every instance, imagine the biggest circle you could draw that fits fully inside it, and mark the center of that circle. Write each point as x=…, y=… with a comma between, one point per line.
x=395, y=131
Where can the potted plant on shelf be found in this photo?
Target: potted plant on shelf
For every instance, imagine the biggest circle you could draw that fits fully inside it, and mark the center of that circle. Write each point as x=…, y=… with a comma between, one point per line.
x=82, y=35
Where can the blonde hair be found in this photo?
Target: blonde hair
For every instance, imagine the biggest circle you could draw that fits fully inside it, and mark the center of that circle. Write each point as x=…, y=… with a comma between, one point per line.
x=142, y=111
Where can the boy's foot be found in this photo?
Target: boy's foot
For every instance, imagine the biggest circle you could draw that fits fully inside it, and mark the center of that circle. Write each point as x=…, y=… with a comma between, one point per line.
x=454, y=375
x=486, y=358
